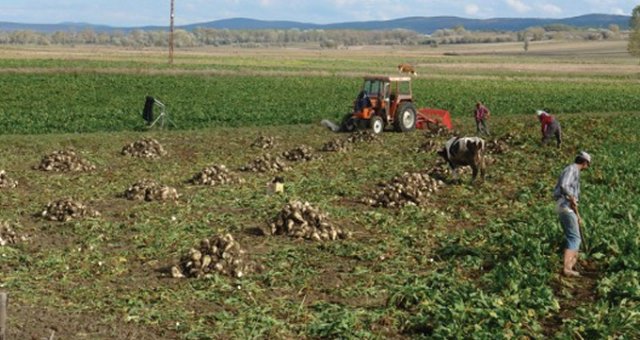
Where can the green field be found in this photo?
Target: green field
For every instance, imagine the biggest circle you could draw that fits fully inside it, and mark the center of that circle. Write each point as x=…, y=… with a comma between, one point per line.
x=58, y=95
x=479, y=261
x=62, y=103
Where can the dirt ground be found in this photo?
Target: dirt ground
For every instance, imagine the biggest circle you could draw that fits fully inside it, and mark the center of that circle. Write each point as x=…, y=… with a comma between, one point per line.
x=550, y=47
x=37, y=323
x=542, y=68
x=606, y=57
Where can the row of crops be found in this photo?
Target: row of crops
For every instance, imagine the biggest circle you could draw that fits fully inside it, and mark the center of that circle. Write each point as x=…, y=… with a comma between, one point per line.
x=86, y=102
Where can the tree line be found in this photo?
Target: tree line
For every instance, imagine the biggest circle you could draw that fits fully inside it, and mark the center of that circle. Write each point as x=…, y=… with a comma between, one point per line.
x=320, y=38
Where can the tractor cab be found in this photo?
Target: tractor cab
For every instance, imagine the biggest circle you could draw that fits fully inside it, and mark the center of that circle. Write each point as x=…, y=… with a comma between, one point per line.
x=383, y=101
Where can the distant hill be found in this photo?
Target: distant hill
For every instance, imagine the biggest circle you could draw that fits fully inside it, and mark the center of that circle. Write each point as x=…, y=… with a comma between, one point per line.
x=253, y=24
x=426, y=25
x=65, y=27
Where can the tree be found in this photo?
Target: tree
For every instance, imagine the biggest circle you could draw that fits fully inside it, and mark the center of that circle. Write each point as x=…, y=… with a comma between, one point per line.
x=634, y=38
x=634, y=22
x=614, y=28
x=88, y=36
x=536, y=33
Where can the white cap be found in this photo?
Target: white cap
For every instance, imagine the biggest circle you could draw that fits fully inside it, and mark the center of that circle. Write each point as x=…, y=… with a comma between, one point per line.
x=540, y=112
x=585, y=156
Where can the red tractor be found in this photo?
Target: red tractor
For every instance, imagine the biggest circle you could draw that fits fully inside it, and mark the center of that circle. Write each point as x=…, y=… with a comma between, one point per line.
x=388, y=101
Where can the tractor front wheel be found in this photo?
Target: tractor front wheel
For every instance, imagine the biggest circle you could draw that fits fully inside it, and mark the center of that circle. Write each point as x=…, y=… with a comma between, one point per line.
x=405, y=119
x=376, y=124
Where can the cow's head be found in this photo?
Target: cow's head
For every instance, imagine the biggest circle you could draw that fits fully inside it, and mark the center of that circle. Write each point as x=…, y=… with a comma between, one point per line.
x=475, y=146
x=472, y=146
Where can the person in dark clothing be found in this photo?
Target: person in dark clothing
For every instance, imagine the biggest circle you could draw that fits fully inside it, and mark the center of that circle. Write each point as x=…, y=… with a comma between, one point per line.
x=362, y=101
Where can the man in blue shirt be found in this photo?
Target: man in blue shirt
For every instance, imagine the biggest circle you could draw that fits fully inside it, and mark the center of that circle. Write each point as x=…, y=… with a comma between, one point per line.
x=567, y=193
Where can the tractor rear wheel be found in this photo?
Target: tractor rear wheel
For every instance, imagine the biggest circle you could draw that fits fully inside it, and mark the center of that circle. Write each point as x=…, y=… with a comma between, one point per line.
x=376, y=124
x=405, y=119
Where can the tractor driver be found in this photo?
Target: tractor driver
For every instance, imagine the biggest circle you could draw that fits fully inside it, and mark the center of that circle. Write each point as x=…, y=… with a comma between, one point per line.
x=362, y=101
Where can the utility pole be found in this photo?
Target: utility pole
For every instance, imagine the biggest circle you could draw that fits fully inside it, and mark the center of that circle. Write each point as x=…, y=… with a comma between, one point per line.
x=171, y=36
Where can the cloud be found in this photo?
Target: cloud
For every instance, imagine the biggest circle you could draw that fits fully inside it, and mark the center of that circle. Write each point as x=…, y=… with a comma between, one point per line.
x=518, y=6
x=343, y=3
x=549, y=9
x=601, y=2
x=619, y=11
x=358, y=10
x=610, y=6
x=471, y=9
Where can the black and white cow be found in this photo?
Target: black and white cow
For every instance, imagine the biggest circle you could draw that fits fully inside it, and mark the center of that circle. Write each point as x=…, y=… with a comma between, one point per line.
x=463, y=151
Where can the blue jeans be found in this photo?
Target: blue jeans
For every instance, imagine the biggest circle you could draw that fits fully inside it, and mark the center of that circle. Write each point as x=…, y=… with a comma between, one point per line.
x=569, y=222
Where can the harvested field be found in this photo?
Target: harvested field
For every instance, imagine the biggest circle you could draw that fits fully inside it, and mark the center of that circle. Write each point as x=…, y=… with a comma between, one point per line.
x=444, y=260
x=133, y=246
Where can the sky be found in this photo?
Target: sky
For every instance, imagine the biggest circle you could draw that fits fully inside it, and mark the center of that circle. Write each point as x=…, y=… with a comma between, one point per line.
x=134, y=13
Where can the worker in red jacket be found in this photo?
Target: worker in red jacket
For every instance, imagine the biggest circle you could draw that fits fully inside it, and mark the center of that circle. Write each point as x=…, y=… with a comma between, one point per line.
x=481, y=114
x=549, y=127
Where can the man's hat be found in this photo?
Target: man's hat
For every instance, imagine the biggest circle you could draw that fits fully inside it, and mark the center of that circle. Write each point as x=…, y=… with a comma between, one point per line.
x=540, y=112
x=585, y=156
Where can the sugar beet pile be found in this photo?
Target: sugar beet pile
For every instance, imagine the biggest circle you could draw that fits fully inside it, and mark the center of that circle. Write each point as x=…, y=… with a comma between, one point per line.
x=215, y=175
x=429, y=146
x=344, y=144
x=63, y=161
x=150, y=190
x=8, y=235
x=408, y=189
x=266, y=163
x=67, y=209
x=301, y=153
x=264, y=142
x=301, y=220
x=144, y=148
x=502, y=145
x=216, y=255
x=6, y=182
x=439, y=130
